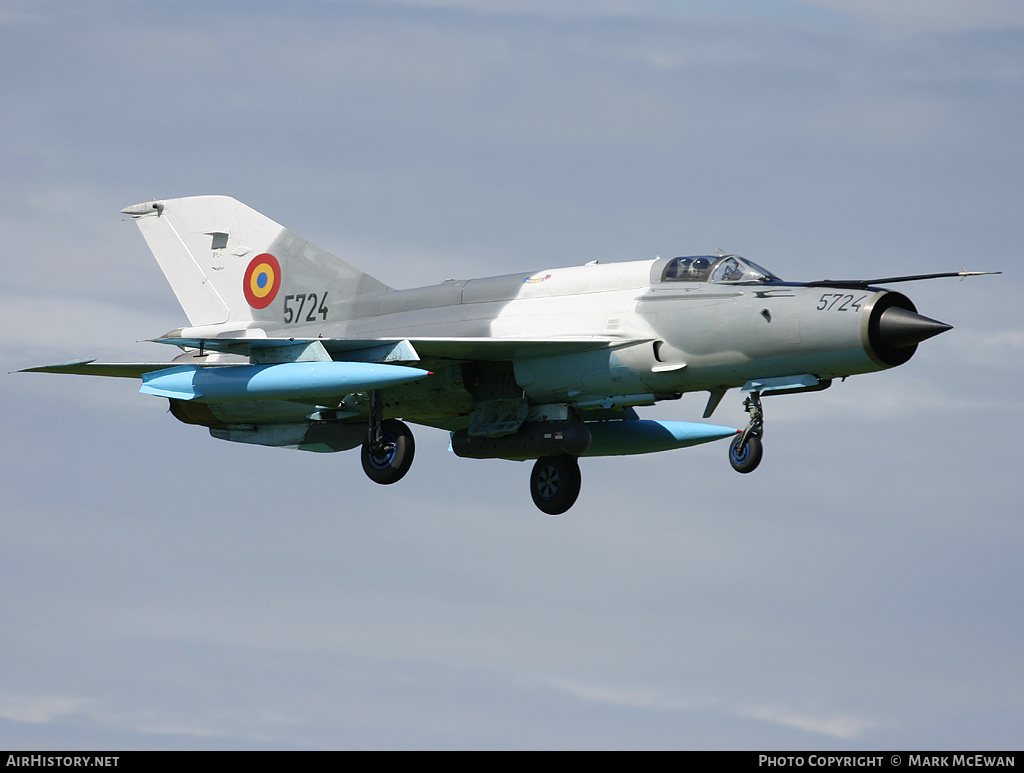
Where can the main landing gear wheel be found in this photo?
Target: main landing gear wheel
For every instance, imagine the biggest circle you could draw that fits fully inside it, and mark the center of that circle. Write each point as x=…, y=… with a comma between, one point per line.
x=744, y=457
x=555, y=483
x=388, y=460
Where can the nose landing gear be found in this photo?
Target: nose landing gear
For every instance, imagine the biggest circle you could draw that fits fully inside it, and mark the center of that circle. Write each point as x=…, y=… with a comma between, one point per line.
x=745, y=451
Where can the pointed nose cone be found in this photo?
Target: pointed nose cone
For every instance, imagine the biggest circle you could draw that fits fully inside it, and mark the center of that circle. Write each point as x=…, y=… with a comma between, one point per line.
x=900, y=328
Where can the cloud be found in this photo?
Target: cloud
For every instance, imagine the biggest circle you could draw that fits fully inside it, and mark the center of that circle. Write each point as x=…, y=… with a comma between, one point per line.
x=42, y=709
x=621, y=697
x=846, y=727
x=937, y=16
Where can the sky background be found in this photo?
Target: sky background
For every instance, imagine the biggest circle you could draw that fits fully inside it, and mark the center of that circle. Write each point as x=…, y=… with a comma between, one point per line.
x=861, y=590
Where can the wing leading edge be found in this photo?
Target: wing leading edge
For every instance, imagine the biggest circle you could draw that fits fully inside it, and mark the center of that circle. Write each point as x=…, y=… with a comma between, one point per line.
x=93, y=368
x=414, y=349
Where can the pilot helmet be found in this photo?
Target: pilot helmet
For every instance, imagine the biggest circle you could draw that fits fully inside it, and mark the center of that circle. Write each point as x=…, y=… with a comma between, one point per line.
x=699, y=266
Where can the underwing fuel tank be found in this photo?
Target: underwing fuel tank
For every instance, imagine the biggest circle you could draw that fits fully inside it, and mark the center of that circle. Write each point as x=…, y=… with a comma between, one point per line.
x=282, y=381
x=647, y=436
x=599, y=438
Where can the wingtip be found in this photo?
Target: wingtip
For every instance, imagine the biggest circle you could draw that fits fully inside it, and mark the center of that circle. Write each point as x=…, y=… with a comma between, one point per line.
x=54, y=366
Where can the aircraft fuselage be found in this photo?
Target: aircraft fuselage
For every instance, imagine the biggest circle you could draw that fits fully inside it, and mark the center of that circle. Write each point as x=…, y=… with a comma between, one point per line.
x=650, y=337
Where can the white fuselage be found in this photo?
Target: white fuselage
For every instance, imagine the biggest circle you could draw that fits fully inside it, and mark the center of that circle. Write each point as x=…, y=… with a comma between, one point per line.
x=649, y=337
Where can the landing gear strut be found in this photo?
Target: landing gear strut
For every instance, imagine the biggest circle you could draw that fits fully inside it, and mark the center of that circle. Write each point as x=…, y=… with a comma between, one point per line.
x=388, y=448
x=745, y=451
x=555, y=483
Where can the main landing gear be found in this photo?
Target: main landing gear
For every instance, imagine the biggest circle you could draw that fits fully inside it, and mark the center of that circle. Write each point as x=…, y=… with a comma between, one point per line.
x=555, y=483
x=745, y=451
x=388, y=447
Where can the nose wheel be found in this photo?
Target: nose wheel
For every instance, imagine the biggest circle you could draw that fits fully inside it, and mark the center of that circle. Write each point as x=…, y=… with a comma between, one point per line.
x=555, y=483
x=745, y=451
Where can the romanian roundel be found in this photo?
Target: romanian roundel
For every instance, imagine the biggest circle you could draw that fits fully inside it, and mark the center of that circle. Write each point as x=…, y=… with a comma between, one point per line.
x=262, y=280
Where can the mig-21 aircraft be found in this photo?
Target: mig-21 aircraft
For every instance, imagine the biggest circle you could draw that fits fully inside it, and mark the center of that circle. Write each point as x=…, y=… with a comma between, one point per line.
x=288, y=345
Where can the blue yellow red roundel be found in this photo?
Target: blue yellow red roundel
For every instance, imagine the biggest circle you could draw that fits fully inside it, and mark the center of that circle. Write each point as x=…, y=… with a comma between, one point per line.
x=262, y=280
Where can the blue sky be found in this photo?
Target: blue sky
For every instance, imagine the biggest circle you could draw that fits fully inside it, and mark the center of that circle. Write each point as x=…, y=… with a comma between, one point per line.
x=161, y=589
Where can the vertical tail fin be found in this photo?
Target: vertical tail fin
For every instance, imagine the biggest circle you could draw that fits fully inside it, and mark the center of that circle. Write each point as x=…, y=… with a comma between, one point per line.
x=228, y=264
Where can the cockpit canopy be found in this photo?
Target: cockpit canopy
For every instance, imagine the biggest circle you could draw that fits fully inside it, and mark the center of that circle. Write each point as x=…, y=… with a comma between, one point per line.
x=712, y=268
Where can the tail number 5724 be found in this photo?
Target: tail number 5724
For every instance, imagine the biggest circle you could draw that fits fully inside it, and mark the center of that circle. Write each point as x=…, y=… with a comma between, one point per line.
x=294, y=305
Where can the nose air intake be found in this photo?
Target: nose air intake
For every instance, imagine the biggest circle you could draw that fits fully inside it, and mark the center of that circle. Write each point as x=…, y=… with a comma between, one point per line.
x=898, y=327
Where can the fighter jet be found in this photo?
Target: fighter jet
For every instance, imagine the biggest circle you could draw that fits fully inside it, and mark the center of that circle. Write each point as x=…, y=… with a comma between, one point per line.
x=290, y=346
